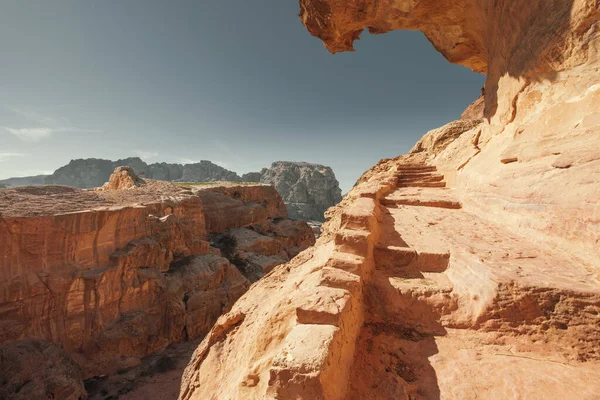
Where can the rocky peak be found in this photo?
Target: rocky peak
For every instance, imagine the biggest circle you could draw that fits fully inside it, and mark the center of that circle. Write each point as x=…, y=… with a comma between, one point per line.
x=82, y=173
x=206, y=171
x=123, y=178
x=307, y=189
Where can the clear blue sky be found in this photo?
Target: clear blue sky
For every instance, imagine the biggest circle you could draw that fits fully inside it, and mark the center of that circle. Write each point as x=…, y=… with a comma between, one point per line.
x=241, y=83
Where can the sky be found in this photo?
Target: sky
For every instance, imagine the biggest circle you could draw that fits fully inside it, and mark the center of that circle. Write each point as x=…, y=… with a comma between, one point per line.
x=240, y=83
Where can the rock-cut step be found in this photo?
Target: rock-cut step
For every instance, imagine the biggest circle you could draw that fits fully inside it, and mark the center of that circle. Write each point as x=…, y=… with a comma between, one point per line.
x=416, y=180
x=424, y=197
x=416, y=168
x=395, y=258
x=421, y=177
x=421, y=184
x=416, y=202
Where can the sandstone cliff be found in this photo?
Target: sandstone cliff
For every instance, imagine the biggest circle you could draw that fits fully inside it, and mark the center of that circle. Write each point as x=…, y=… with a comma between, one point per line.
x=469, y=268
x=307, y=189
x=120, y=272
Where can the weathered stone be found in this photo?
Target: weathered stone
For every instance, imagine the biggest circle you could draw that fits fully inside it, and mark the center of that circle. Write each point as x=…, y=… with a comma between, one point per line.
x=123, y=178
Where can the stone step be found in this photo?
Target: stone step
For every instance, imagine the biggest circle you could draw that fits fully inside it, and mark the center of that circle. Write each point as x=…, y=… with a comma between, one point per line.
x=341, y=279
x=326, y=306
x=414, y=303
x=353, y=241
x=422, y=286
x=390, y=257
x=416, y=171
x=423, y=168
x=307, y=364
x=395, y=257
x=415, y=201
x=347, y=262
x=360, y=215
x=422, y=184
x=421, y=177
x=415, y=165
x=409, y=182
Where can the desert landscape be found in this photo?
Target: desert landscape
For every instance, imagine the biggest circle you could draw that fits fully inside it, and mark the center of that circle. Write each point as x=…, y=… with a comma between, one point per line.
x=467, y=268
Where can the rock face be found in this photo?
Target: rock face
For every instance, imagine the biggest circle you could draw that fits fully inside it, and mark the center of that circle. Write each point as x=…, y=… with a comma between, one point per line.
x=251, y=177
x=90, y=172
x=37, y=369
x=116, y=274
x=205, y=171
x=307, y=189
x=478, y=251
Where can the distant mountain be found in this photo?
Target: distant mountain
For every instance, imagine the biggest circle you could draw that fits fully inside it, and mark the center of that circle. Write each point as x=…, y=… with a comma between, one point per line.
x=307, y=189
x=24, y=181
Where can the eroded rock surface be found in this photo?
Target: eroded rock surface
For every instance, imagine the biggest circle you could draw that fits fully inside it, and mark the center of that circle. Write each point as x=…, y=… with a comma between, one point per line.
x=478, y=251
x=123, y=178
x=114, y=275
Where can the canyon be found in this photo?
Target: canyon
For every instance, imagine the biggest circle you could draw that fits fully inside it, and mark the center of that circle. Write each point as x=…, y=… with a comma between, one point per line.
x=467, y=268
x=307, y=189
x=115, y=274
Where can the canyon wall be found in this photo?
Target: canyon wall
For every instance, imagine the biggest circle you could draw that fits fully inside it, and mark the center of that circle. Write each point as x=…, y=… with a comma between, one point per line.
x=478, y=251
x=117, y=273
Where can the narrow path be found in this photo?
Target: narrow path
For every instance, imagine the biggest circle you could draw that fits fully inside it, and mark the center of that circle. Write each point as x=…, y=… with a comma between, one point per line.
x=461, y=306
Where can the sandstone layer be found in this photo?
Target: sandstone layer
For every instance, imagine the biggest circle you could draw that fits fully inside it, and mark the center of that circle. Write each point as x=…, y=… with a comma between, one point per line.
x=118, y=273
x=469, y=268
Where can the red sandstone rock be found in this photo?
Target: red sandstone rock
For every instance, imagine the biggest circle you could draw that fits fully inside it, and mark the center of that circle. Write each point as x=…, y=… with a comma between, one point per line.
x=117, y=274
x=123, y=178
